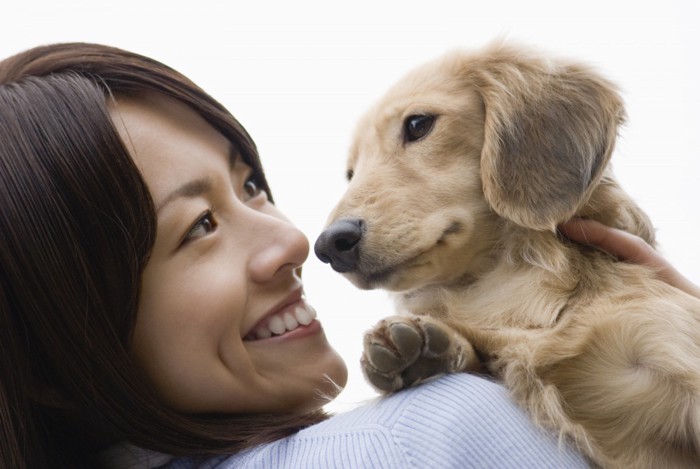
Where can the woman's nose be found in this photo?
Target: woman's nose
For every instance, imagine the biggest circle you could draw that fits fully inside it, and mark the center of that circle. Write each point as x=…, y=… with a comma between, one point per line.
x=281, y=247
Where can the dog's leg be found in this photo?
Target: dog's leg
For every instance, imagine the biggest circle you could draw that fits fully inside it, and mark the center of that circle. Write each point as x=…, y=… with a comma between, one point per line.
x=404, y=350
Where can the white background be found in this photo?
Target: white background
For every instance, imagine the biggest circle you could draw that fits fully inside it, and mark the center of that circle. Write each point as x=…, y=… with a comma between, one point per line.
x=298, y=74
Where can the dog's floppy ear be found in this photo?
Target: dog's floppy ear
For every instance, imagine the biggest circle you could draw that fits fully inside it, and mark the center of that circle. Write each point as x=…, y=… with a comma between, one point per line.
x=549, y=132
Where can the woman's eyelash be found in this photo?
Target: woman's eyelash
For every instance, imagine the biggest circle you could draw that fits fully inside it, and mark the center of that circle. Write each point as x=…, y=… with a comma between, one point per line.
x=204, y=225
x=252, y=187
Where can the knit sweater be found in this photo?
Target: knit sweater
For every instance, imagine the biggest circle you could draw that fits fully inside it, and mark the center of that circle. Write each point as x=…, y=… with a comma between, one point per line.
x=457, y=421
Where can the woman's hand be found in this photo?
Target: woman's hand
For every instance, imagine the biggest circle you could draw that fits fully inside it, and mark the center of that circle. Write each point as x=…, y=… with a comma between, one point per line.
x=626, y=247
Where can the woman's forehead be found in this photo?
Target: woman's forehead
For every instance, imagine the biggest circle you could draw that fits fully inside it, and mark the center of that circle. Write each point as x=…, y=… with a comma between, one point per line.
x=168, y=141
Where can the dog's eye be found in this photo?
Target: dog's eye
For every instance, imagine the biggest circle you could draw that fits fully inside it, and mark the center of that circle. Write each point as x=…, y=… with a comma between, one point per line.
x=349, y=174
x=417, y=126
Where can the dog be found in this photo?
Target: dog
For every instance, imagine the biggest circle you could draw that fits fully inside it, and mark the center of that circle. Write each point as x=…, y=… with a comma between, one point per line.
x=458, y=178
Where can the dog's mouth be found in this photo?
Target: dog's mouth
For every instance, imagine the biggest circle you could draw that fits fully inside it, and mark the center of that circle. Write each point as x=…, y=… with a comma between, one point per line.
x=370, y=271
x=387, y=277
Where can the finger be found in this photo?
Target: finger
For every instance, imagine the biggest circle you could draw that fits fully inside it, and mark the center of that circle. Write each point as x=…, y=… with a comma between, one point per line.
x=623, y=245
x=584, y=231
x=626, y=247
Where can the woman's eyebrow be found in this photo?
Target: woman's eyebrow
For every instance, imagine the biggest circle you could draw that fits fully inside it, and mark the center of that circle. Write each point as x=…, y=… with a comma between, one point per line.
x=190, y=189
x=198, y=187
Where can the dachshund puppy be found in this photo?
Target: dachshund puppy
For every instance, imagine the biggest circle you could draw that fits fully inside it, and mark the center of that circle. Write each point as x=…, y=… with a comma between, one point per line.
x=458, y=178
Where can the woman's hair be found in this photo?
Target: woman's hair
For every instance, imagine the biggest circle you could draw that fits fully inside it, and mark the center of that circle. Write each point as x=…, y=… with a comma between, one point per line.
x=77, y=224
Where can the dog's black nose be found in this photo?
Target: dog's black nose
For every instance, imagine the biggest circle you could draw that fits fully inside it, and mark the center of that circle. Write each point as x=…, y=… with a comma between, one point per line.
x=339, y=244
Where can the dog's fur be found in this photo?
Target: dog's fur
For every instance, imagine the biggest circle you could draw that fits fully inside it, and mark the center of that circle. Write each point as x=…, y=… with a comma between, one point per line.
x=461, y=226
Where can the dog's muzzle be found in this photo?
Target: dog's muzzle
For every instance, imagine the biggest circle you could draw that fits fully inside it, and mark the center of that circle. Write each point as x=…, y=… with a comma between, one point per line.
x=339, y=244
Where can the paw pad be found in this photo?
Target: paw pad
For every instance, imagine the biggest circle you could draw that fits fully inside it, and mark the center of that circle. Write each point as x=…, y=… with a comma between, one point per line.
x=402, y=351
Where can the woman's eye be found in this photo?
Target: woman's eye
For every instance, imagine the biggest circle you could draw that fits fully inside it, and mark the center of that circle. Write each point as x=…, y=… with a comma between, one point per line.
x=417, y=126
x=203, y=226
x=251, y=188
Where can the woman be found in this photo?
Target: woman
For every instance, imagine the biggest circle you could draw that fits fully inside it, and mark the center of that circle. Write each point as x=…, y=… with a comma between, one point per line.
x=151, y=304
x=80, y=369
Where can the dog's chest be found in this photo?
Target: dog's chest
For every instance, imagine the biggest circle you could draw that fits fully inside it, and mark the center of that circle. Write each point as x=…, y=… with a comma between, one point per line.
x=521, y=301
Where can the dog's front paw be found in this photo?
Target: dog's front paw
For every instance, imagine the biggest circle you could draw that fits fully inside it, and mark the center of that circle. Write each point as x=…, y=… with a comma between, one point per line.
x=401, y=351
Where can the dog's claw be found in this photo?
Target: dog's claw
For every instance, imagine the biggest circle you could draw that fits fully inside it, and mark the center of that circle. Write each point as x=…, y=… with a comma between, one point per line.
x=402, y=351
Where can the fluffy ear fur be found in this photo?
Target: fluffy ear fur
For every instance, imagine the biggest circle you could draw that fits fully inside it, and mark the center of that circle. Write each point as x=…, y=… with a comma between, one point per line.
x=549, y=133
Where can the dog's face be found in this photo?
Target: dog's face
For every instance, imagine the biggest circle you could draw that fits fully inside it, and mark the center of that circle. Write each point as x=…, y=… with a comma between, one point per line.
x=415, y=186
x=459, y=148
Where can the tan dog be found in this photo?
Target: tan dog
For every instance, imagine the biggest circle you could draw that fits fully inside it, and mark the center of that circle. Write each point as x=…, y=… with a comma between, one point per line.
x=458, y=179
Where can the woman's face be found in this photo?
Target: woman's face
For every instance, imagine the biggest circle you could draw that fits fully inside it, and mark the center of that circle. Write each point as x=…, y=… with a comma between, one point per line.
x=222, y=325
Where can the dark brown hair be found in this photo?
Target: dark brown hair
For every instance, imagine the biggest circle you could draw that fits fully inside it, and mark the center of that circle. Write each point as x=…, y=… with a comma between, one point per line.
x=77, y=224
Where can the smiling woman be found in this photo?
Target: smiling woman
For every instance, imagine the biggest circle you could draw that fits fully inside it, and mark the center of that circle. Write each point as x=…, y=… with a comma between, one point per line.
x=224, y=263
x=152, y=312
x=84, y=240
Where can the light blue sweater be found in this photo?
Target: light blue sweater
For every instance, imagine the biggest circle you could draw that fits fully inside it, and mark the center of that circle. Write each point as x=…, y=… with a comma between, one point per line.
x=458, y=421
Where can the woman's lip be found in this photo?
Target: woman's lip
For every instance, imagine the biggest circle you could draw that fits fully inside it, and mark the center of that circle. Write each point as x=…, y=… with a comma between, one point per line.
x=291, y=299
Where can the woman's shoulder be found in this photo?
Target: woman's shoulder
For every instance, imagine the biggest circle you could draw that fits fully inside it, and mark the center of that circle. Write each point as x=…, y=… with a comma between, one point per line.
x=458, y=420
x=435, y=403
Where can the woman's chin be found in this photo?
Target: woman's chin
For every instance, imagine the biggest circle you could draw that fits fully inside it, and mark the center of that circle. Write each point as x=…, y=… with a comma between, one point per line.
x=330, y=385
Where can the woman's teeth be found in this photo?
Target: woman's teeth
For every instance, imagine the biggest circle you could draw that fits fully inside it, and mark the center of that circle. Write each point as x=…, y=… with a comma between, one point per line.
x=284, y=322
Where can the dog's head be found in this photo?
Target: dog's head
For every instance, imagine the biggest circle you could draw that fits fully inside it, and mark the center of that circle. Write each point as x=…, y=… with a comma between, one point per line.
x=460, y=148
